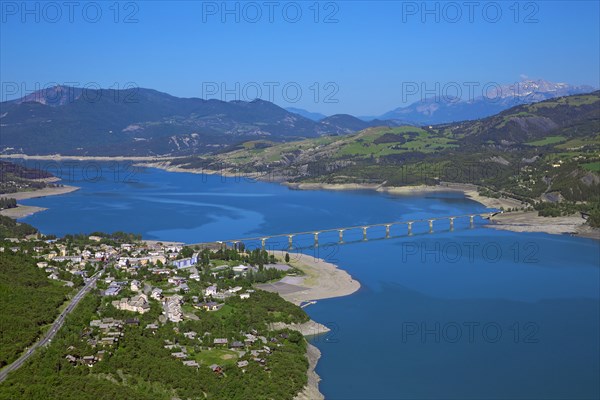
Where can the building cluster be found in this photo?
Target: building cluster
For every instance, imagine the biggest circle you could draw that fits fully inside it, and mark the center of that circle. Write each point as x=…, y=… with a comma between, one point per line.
x=102, y=335
x=253, y=348
x=136, y=277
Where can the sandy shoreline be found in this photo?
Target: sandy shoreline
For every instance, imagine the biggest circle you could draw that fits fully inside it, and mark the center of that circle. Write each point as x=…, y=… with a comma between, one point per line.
x=529, y=221
x=468, y=190
x=322, y=280
x=22, y=211
x=48, y=191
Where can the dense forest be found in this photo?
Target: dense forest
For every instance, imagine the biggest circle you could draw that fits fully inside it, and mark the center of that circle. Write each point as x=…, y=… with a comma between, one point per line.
x=28, y=302
x=7, y=203
x=141, y=368
x=9, y=228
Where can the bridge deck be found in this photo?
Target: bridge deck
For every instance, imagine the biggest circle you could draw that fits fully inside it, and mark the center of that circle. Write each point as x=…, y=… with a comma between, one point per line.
x=348, y=228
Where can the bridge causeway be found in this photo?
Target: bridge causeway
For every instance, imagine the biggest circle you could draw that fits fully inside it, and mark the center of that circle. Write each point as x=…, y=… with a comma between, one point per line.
x=364, y=228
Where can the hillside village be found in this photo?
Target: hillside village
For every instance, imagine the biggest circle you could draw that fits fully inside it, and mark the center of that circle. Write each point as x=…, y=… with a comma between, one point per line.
x=157, y=287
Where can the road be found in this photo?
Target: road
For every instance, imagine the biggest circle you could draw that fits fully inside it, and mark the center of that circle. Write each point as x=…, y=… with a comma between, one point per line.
x=58, y=323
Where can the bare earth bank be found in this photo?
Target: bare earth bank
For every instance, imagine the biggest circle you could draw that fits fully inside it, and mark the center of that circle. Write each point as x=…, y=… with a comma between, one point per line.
x=23, y=211
x=529, y=221
x=322, y=280
x=520, y=221
x=49, y=191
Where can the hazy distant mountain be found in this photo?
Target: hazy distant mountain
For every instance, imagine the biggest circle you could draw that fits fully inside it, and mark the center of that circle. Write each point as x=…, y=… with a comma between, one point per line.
x=441, y=109
x=139, y=121
x=315, y=116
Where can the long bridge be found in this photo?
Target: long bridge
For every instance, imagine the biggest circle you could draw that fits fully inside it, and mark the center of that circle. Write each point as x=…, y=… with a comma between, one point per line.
x=364, y=228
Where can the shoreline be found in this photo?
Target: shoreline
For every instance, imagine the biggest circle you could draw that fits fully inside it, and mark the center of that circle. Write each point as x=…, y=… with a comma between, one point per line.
x=22, y=211
x=526, y=222
x=311, y=390
x=514, y=221
x=470, y=191
x=529, y=221
x=321, y=280
x=60, y=157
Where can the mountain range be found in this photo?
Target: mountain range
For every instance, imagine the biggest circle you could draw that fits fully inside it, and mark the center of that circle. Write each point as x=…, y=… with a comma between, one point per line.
x=75, y=121
x=547, y=151
x=444, y=109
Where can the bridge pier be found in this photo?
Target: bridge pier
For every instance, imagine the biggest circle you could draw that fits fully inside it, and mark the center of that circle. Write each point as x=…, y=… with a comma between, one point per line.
x=238, y=243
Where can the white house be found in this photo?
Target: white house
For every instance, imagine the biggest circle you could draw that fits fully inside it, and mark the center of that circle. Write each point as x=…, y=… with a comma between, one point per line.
x=156, y=293
x=137, y=303
x=195, y=277
x=135, y=285
x=240, y=269
x=210, y=291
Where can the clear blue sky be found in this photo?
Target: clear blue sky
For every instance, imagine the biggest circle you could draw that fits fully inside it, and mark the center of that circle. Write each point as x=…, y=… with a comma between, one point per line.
x=367, y=51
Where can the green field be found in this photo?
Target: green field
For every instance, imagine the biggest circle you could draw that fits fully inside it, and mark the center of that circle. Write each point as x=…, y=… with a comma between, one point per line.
x=576, y=101
x=381, y=142
x=593, y=166
x=548, y=141
x=580, y=142
x=220, y=357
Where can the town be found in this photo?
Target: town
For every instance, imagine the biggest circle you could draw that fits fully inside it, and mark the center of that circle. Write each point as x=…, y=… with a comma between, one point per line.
x=199, y=305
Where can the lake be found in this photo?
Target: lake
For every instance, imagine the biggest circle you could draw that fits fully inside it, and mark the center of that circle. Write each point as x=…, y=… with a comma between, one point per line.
x=470, y=313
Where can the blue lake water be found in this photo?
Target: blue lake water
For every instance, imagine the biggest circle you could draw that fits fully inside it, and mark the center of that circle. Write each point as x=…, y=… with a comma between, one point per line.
x=468, y=314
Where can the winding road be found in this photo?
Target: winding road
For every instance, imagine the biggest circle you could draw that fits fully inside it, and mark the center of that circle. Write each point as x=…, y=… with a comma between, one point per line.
x=47, y=338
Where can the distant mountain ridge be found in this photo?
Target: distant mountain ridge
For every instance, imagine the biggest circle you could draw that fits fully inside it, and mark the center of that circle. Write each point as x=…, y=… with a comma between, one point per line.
x=546, y=151
x=136, y=121
x=315, y=116
x=445, y=109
